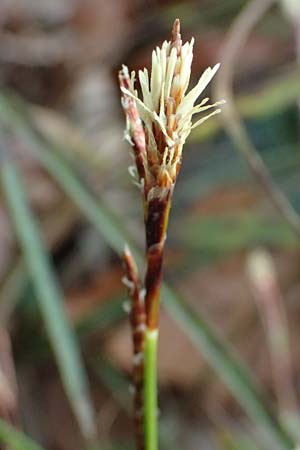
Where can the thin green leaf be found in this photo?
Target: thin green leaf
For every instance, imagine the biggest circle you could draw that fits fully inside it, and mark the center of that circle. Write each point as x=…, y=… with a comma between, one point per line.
x=227, y=365
x=10, y=290
x=14, y=439
x=50, y=300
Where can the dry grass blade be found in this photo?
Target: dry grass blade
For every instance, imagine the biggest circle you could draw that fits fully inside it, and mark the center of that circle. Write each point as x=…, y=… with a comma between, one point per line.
x=271, y=307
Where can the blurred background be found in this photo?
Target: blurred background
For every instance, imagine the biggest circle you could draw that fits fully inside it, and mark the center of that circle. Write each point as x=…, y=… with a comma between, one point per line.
x=229, y=353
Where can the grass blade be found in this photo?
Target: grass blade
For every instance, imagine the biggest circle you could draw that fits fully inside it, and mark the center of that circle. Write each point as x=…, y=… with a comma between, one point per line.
x=14, y=439
x=50, y=300
x=10, y=290
x=217, y=353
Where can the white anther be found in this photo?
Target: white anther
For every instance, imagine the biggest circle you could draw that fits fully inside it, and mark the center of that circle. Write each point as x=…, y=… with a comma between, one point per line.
x=132, y=171
x=129, y=284
x=142, y=294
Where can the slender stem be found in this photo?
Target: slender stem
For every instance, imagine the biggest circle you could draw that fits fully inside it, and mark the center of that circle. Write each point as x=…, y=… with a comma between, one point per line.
x=150, y=390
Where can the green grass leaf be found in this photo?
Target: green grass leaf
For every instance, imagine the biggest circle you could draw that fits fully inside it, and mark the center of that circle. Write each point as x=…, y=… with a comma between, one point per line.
x=14, y=439
x=50, y=300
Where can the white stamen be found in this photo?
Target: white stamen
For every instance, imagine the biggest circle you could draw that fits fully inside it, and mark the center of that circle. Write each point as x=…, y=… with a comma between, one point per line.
x=199, y=122
x=129, y=284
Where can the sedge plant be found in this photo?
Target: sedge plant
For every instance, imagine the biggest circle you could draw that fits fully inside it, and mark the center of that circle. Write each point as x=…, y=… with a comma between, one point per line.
x=157, y=126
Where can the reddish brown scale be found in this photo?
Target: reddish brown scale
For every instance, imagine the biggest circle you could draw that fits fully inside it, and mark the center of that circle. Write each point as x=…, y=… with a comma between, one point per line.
x=159, y=138
x=146, y=136
x=138, y=134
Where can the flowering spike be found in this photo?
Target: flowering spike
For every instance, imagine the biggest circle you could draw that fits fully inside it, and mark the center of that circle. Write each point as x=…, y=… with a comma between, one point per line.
x=166, y=111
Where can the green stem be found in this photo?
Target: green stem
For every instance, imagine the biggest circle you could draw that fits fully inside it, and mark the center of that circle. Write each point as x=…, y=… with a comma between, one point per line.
x=150, y=393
